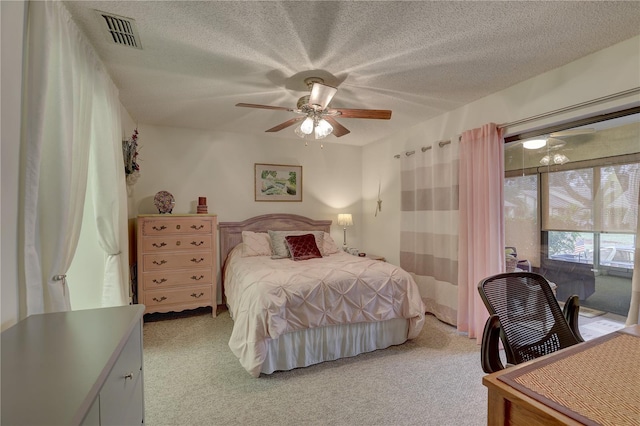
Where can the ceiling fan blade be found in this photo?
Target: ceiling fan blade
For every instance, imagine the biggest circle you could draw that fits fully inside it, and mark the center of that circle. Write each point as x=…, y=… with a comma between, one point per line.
x=572, y=132
x=264, y=107
x=285, y=124
x=554, y=144
x=338, y=129
x=380, y=114
x=321, y=95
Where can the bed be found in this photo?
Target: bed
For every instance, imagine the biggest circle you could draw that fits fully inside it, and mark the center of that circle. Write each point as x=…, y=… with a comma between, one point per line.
x=289, y=314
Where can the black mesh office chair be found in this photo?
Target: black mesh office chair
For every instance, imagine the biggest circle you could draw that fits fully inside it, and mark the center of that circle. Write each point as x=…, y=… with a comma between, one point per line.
x=526, y=316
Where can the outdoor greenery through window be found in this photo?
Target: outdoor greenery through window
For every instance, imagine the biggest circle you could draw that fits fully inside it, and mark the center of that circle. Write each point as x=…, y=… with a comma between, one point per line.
x=600, y=200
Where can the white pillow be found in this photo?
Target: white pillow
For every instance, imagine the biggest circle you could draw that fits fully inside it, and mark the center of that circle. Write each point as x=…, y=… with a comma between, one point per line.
x=279, y=245
x=328, y=245
x=255, y=244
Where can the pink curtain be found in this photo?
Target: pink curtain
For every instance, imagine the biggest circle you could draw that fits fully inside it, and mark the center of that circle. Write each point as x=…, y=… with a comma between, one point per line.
x=481, y=221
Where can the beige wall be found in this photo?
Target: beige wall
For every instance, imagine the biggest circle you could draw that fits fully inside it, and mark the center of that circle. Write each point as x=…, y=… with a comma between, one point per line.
x=603, y=73
x=220, y=166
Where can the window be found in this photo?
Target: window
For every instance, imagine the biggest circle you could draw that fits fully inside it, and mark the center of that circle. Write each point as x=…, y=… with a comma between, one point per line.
x=603, y=200
x=522, y=228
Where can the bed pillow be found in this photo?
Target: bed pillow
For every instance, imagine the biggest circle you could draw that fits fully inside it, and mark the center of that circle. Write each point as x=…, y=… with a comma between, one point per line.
x=255, y=244
x=328, y=245
x=279, y=249
x=302, y=247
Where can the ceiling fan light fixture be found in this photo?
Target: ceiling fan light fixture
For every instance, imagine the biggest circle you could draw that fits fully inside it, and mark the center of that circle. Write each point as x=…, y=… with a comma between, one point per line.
x=555, y=159
x=299, y=133
x=534, y=143
x=323, y=129
x=307, y=126
x=545, y=160
x=560, y=159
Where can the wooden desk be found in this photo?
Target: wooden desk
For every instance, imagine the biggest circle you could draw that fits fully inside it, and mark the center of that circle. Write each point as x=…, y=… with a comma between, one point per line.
x=595, y=382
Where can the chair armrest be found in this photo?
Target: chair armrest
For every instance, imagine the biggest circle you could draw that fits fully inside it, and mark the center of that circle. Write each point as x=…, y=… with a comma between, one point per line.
x=571, y=311
x=490, y=351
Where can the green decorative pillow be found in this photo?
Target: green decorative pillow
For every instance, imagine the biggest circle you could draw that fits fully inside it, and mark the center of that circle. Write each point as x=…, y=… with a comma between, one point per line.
x=279, y=247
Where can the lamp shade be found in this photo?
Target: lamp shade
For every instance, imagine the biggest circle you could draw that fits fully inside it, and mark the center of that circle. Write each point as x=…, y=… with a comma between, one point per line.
x=307, y=126
x=345, y=219
x=323, y=129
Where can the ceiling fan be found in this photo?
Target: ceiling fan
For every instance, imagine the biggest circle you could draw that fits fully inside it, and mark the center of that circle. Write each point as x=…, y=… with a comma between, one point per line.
x=555, y=138
x=316, y=117
x=554, y=142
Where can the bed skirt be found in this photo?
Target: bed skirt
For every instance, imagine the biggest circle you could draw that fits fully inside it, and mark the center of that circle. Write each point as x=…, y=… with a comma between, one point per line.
x=312, y=346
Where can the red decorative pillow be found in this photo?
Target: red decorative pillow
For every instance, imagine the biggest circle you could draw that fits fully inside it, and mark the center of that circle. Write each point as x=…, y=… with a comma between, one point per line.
x=303, y=247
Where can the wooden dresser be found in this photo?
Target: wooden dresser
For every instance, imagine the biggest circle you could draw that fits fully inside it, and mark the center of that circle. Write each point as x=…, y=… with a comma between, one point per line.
x=176, y=262
x=74, y=368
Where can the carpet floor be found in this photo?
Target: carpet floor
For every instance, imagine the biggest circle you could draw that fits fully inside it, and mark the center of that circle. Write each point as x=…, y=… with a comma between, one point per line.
x=192, y=378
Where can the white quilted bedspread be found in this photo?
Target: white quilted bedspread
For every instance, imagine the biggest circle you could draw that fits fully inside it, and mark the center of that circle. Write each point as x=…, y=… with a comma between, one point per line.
x=269, y=297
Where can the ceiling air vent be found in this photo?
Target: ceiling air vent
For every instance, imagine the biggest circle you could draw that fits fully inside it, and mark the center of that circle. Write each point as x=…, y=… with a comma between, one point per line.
x=121, y=30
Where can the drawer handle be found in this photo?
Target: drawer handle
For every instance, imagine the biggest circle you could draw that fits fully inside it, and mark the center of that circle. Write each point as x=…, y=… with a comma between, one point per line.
x=128, y=376
x=162, y=262
x=197, y=296
x=178, y=243
x=177, y=226
x=156, y=228
x=160, y=281
x=159, y=245
x=197, y=228
x=159, y=300
x=197, y=278
x=197, y=244
x=197, y=260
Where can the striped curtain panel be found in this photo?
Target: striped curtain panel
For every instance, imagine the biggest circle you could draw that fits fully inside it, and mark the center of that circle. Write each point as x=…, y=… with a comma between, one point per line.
x=429, y=226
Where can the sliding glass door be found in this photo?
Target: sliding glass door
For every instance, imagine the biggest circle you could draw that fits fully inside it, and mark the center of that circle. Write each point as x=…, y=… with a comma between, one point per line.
x=571, y=209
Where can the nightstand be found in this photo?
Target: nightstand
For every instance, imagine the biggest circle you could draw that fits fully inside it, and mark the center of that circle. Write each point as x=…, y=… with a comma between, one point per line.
x=376, y=257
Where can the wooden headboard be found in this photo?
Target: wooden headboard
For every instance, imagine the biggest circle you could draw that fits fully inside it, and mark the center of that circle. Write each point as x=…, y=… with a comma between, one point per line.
x=231, y=232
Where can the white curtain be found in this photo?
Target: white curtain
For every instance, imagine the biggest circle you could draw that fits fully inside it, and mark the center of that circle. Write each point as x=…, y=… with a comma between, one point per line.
x=64, y=78
x=107, y=180
x=429, y=226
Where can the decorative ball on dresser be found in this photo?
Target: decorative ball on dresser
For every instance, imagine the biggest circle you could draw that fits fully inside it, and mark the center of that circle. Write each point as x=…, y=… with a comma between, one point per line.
x=164, y=202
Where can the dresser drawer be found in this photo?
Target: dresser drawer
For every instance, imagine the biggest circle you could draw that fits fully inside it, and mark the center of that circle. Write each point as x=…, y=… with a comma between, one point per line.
x=184, y=225
x=154, y=280
x=171, y=261
x=176, y=242
x=168, y=297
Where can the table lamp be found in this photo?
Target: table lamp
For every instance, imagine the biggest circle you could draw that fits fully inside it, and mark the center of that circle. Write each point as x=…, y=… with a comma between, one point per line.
x=345, y=220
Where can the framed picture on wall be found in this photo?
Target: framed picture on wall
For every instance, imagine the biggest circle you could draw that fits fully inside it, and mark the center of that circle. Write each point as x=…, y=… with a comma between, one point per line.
x=278, y=182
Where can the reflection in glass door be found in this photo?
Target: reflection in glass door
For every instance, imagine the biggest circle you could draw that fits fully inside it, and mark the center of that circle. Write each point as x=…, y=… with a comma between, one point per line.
x=575, y=218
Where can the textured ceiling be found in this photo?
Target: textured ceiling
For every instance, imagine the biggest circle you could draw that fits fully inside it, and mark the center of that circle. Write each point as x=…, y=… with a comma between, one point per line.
x=419, y=59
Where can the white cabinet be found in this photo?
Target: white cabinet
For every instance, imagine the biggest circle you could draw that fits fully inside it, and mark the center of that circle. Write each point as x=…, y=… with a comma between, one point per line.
x=74, y=368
